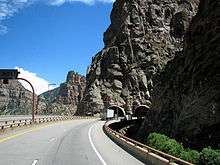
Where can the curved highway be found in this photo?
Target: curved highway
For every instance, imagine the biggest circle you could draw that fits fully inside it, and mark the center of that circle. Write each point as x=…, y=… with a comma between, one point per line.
x=76, y=142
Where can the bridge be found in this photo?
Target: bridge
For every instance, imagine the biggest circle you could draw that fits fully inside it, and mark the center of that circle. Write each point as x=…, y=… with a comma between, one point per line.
x=77, y=141
x=67, y=140
x=57, y=140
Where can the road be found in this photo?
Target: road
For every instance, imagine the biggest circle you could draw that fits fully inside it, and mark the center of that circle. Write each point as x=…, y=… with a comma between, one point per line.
x=76, y=142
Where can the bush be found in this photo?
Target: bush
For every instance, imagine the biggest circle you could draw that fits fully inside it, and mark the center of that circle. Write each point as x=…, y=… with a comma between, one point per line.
x=190, y=156
x=209, y=156
x=157, y=141
x=173, y=148
x=165, y=144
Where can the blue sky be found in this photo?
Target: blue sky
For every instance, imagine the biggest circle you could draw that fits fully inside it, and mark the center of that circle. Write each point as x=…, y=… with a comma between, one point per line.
x=47, y=38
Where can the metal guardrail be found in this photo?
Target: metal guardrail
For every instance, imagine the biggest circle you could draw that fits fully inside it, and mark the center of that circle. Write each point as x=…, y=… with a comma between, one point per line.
x=144, y=148
x=23, y=122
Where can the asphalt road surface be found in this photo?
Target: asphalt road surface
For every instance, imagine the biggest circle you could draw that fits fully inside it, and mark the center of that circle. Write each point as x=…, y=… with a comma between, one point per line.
x=76, y=142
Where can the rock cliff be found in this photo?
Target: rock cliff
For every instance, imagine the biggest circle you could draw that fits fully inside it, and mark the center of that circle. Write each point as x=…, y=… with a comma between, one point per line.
x=14, y=99
x=65, y=98
x=186, y=101
x=143, y=36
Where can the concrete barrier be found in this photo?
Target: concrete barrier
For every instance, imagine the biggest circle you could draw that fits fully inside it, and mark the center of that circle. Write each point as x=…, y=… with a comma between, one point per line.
x=142, y=152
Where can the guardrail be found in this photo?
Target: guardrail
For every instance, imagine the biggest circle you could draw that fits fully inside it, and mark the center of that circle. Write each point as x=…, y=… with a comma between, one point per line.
x=23, y=122
x=143, y=152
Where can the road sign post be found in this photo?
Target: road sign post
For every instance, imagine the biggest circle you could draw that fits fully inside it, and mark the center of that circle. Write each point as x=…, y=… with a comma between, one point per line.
x=12, y=74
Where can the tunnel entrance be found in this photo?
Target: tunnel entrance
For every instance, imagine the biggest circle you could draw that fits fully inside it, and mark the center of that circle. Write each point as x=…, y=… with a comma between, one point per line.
x=141, y=111
x=119, y=111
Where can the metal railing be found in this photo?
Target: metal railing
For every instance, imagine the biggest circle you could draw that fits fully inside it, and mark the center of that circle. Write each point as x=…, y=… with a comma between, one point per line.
x=147, y=149
x=22, y=122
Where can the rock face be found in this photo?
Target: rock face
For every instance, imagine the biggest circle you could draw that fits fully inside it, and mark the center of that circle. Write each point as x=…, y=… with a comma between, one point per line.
x=143, y=36
x=64, y=99
x=186, y=102
x=14, y=99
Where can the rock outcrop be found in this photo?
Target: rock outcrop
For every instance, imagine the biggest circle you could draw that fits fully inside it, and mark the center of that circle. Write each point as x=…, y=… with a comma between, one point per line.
x=14, y=99
x=143, y=36
x=64, y=99
x=186, y=102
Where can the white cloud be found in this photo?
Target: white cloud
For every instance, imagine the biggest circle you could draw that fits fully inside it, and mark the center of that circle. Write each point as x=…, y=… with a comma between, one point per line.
x=10, y=7
x=40, y=85
x=3, y=29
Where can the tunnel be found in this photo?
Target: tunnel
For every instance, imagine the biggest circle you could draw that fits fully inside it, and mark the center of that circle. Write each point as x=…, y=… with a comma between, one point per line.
x=141, y=111
x=118, y=109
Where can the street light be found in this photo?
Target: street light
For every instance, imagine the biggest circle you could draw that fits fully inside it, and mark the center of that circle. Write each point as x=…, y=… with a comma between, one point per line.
x=49, y=95
x=51, y=85
x=12, y=74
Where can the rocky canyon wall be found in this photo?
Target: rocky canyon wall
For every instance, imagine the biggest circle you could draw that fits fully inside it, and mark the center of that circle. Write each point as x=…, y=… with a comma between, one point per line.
x=64, y=99
x=143, y=36
x=14, y=99
x=186, y=100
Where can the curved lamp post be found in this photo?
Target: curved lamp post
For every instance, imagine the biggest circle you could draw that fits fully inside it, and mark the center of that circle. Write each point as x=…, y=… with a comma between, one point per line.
x=33, y=96
x=12, y=74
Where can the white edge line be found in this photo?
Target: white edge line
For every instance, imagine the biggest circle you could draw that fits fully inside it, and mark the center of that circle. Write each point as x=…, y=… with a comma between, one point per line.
x=35, y=162
x=93, y=147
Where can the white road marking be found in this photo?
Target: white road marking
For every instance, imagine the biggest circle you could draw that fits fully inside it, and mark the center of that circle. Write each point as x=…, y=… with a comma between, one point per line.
x=35, y=162
x=93, y=147
x=52, y=139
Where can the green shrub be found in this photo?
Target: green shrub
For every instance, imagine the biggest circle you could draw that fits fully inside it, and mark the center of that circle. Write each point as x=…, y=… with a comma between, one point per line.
x=165, y=144
x=190, y=156
x=209, y=156
x=173, y=148
x=157, y=141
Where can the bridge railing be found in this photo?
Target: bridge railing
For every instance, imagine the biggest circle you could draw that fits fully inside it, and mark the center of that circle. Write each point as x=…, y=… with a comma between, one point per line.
x=22, y=122
x=143, y=151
